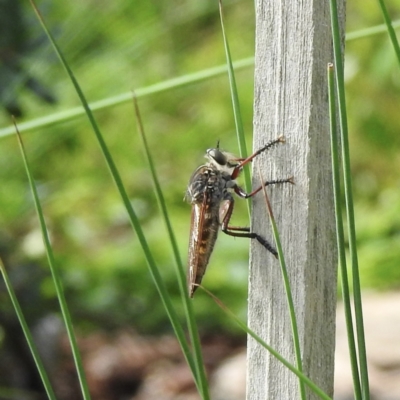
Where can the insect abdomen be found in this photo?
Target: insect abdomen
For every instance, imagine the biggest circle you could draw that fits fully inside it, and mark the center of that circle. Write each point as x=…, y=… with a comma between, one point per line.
x=204, y=232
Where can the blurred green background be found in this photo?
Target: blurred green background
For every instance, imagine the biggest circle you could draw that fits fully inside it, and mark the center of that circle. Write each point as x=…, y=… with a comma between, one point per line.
x=114, y=47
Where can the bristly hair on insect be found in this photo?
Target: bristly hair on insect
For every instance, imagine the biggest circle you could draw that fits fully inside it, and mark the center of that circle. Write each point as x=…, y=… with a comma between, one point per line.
x=210, y=194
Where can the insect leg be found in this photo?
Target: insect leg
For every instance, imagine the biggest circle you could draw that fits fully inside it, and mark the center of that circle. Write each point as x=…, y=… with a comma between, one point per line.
x=241, y=193
x=271, y=143
x=238, y=231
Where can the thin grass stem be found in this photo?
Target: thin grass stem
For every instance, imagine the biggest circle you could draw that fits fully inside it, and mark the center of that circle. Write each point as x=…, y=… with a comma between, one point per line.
x=180, y=81
x=236, y=106
x=288, y=290
x=340, y=236
x=339, y=72
x=27, y=333
x=367, y=32
x=154, y=271
x=187, y=304
x=390, y=29
x=286, y=363
x=56, y=277
x=174, y=83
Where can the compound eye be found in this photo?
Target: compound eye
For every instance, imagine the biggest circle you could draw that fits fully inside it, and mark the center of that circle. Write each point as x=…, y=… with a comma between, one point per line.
x=217, y=156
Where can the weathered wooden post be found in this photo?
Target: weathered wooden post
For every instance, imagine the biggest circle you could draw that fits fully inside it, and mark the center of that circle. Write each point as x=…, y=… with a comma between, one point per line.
x=293, y=47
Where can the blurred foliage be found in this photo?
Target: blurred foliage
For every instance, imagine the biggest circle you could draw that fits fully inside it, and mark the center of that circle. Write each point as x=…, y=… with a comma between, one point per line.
x=373, y=94
x=16, y=43
x=117, y=46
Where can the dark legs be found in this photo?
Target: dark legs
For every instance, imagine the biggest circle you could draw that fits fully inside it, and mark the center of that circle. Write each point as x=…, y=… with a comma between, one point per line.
x=244, y=231
x=241, y=193
x=238, y=231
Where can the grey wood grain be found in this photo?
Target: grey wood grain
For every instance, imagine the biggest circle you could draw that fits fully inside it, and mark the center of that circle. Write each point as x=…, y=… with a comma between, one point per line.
x=293, y=47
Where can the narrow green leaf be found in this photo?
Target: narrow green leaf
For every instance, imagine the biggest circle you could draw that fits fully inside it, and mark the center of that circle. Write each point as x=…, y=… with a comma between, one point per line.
x=28, y=336
x=187, y=304
x=56, y=277
x=340, y=235
x=286, y=363
x=236, y=106
x=154, y=271
x=390, y=29
x=288, y=290
x=339, y=72
x=122, y=98
x=371, y=31
x=166, y=85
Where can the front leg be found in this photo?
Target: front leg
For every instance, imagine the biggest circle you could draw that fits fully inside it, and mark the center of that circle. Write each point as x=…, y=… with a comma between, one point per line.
x=244, y=161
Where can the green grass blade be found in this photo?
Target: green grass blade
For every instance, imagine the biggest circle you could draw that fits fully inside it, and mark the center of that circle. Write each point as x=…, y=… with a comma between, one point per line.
x=56, y=277
x=340, y=236
x=187, y=304
x=286, y=363
x=28, y=336
x=236, y=105
x=166, y=85
x=156, y=276
x=288, y=290
x=373, y=30
x=122, y=98
x=390, y=29
x=339, y=72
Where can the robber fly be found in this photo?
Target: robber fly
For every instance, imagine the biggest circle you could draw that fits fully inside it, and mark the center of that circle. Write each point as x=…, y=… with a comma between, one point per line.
x=210, y=193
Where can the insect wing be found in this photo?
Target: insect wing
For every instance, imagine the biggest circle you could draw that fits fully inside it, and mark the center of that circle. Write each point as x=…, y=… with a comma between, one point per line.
x=196, y=228
x=203, y=234
x=224, y=209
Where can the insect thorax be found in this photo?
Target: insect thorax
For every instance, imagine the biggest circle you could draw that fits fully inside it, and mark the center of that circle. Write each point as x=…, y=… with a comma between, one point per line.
x=210, y=181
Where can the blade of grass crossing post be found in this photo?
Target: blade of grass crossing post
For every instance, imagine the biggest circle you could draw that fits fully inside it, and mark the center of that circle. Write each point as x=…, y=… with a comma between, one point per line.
x=155, y=274
x=236, y=105
x=373, y=30
x=288, y=290
x=56, y=277
x=339, y=73
x=169, y=84
x=187, y=304
x=29, y=339
x=340, y=236
x=304, y=379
